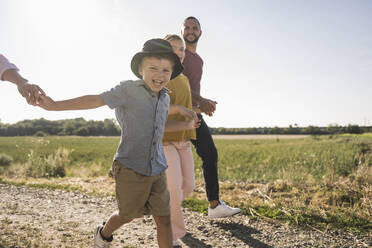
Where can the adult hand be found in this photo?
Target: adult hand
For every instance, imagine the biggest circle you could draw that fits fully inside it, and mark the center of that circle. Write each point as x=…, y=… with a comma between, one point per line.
x=31, y=92
x=207, y=106
x=188, y=113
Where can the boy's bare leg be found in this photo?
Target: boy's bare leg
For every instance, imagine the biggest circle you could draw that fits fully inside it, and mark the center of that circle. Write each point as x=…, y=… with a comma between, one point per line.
x=164, y=231
x=112, y=224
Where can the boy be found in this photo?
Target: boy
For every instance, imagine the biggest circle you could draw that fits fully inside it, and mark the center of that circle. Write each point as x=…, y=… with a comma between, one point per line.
x=141, y=108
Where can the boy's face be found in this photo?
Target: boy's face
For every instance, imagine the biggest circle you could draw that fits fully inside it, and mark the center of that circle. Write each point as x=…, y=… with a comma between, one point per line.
x=156, y=72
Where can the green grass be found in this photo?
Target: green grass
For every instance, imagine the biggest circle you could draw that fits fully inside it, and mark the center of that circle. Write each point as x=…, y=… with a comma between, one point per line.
x=260, y=160
x=323, y=182
x=84, y=152
x=296, y=160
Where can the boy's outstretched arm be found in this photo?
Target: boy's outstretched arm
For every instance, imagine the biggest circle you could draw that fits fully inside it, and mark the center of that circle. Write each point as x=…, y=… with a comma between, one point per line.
x=78, y=103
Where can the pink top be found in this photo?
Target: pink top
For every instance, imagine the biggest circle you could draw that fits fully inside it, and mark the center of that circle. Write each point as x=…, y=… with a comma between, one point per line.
x=193, y=70
x=5, y=65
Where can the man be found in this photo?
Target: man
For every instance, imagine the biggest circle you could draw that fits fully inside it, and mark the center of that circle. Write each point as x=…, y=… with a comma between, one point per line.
x=204, y=145
x=9, y=72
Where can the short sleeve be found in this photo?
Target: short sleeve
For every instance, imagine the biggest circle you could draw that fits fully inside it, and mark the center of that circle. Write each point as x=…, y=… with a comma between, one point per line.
x=5, y=65
x=172, y=92
x=117, y=96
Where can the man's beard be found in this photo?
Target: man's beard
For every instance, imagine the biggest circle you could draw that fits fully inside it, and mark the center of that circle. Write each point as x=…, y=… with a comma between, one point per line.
x=193, y=41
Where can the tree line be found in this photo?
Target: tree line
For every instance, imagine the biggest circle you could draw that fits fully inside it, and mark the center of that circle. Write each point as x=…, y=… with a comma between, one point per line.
x=109, y=127
x=77, y=126
x=310, y=130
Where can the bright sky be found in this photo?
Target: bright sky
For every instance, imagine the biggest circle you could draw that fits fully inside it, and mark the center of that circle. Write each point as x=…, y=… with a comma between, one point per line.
x=266, y=62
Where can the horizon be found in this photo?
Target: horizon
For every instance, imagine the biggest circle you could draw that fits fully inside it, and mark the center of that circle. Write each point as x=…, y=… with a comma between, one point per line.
x=294, y=62
x=294, y=126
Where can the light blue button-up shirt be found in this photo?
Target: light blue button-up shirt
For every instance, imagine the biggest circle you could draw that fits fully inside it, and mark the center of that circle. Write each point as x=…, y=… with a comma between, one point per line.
x=142, y=116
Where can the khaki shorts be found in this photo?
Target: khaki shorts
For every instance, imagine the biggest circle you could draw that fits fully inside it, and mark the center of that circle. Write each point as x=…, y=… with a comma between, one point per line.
x=139, y=195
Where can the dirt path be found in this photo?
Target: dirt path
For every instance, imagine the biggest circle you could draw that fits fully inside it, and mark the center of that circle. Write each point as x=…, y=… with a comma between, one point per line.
x=259, y=136
x=32, y=217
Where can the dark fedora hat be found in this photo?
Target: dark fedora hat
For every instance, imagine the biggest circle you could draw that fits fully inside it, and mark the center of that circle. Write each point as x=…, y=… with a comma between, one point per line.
x=156, y=47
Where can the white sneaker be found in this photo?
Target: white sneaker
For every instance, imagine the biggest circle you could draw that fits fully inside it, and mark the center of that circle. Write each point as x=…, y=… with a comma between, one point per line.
x=99, y=242
x=176, y=243
x=222, y=210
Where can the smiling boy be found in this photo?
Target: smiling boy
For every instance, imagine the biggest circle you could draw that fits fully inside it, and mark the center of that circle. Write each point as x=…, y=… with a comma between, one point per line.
x=141, y=108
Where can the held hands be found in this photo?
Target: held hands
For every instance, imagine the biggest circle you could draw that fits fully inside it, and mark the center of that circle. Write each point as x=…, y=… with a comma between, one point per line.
x=31, y=92
x=207, y=106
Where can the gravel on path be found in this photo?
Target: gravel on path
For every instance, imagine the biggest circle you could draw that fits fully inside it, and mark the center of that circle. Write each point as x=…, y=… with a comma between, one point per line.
x=32, y=217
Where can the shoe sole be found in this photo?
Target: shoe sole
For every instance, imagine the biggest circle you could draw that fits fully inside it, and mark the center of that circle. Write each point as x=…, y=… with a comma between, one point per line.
x=219, y=217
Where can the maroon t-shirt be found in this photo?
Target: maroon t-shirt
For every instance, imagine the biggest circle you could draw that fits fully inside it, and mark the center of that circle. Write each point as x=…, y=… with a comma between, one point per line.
x=193, y=70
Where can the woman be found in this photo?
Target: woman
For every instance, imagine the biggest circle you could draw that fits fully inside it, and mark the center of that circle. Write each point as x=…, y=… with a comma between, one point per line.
x=177, y=147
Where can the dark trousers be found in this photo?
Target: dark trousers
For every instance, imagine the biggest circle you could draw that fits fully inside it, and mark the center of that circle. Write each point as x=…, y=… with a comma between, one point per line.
x=207, y=151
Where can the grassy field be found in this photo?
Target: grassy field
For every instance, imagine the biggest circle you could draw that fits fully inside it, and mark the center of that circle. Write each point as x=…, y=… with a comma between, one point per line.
x=322, y=182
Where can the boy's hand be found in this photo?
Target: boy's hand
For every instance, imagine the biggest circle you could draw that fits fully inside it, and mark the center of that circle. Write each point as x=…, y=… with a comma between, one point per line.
x=45, y=102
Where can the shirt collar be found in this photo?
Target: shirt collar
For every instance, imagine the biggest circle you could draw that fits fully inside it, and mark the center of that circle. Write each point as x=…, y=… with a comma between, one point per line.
x=143, y=84
x=194, y=54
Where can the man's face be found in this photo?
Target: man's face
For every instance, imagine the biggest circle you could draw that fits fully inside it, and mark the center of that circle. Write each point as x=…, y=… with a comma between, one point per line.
x=155, y=72
x=191, y=31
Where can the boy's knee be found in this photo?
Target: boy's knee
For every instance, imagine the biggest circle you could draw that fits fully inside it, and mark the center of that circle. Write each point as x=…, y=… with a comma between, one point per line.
x=125, y=220
x=122, y=219
x=162, y=220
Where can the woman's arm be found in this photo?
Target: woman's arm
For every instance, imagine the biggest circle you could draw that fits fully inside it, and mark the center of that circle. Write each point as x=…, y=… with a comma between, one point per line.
x=9, y=72
x=188, y=113
x=174, y=126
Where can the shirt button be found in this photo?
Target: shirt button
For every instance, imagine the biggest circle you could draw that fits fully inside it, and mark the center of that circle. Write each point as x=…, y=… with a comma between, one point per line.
x=154, y=143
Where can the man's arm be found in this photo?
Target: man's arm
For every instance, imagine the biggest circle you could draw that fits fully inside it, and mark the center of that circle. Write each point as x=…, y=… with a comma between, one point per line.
x=78, y=103
x=196, y=98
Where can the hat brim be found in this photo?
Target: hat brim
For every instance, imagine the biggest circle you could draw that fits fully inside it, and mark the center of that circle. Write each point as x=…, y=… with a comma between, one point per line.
x=137, y=59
